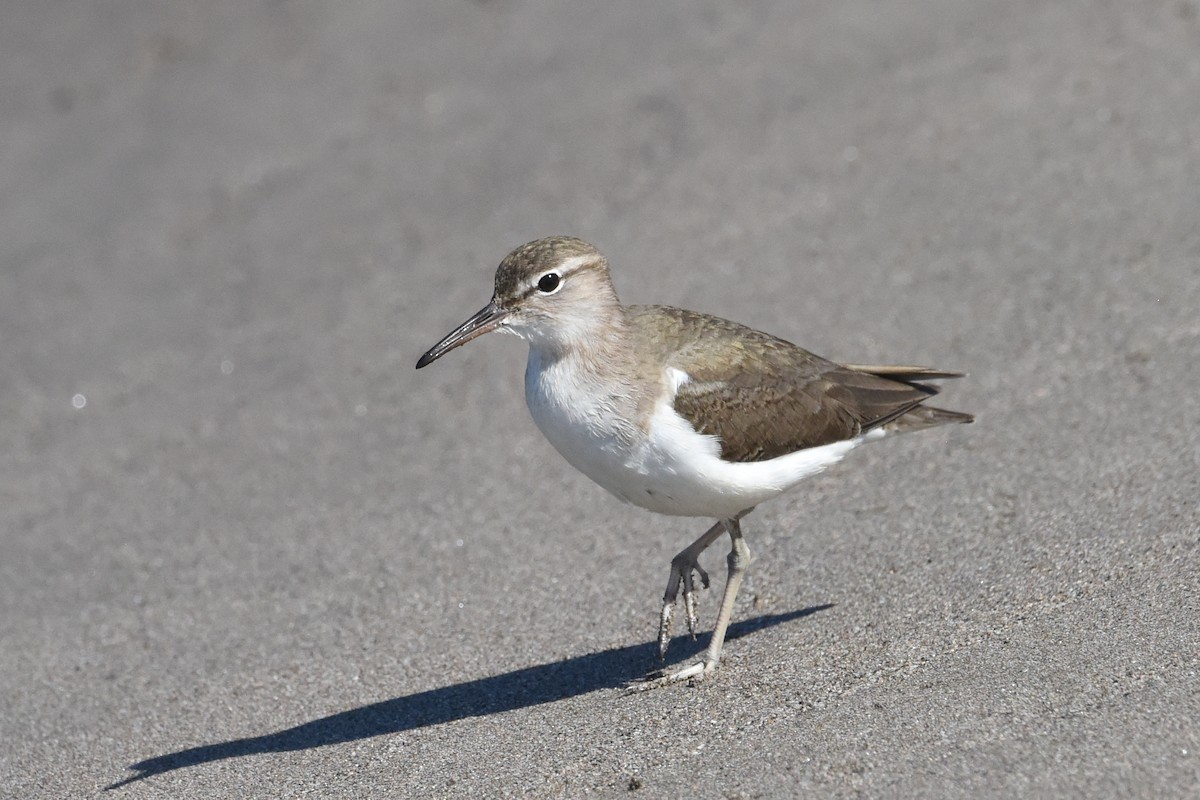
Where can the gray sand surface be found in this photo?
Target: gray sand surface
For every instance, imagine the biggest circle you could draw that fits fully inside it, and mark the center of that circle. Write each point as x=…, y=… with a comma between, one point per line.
x=246, y=551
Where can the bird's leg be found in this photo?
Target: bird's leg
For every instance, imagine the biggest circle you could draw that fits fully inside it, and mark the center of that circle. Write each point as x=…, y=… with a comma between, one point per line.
x=682, y=566
x=738, y=561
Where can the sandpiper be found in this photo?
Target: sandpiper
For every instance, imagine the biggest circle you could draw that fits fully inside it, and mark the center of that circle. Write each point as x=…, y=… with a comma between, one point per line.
x=683, y=413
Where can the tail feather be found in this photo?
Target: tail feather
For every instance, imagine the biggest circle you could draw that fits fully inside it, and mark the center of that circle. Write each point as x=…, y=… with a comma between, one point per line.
x=905, y=373
x=917, y=416
x=923, y=417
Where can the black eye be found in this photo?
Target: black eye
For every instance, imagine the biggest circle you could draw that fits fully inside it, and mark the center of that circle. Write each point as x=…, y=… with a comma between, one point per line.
x=548, y=282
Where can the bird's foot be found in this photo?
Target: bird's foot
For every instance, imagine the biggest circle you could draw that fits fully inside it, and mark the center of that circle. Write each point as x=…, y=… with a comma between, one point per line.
x=683, y=569
x=692, y=674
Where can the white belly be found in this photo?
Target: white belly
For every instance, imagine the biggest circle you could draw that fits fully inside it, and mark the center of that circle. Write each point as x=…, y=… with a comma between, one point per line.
x=682, y=471
x=671, y=469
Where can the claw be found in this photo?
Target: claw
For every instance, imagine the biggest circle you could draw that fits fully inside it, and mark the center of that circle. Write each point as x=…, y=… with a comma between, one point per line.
x=684, y=567
x=689, y=595
x=692, y=674
x=683, y=571
x=664, y=629
x=689, y=605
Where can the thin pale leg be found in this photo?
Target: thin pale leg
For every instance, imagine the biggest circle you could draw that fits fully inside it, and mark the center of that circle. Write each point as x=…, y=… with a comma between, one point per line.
x=739, y=560
x=682, y=567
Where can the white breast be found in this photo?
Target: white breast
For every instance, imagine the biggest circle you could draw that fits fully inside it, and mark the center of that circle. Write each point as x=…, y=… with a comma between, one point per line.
x=588, y=423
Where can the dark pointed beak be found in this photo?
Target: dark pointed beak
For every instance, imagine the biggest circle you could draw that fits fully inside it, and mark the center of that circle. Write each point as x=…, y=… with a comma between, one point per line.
x=486, y=319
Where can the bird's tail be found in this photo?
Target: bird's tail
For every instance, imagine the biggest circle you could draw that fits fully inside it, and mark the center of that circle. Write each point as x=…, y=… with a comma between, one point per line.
x=906, y=374
x=923, y=417
x=918, y=417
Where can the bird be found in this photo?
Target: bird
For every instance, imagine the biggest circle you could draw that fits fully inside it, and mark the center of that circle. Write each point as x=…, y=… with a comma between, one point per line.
x=683, y=413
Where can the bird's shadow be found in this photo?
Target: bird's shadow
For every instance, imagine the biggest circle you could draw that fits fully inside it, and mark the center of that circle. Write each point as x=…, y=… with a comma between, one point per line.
x=520, y=688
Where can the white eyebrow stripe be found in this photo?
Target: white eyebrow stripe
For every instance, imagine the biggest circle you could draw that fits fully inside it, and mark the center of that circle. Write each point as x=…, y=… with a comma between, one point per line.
x=563, y=269
x=573, y=263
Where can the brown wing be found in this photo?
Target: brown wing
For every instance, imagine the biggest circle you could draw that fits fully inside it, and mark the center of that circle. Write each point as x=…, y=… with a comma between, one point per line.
x=764, y=397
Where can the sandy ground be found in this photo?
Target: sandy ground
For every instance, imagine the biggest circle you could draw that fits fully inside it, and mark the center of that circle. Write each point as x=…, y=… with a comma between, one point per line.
x=247, y=551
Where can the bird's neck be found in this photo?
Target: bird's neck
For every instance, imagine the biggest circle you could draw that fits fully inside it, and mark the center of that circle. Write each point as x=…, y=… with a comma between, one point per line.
x=594, y=341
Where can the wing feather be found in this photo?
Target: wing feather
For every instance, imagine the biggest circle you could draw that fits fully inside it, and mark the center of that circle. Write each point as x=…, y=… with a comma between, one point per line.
x=764, y=397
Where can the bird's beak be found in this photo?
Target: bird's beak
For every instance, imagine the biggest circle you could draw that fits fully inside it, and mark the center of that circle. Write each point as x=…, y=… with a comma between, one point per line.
x=486, y=319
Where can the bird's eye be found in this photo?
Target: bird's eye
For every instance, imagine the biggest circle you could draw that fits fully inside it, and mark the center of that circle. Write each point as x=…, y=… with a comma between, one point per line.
x=548, y=282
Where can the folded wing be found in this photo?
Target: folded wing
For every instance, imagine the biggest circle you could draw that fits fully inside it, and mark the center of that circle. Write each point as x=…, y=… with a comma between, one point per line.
x=764, y=397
